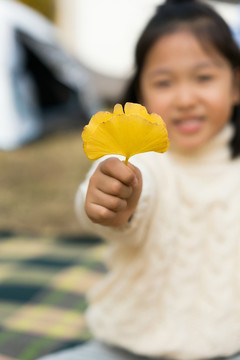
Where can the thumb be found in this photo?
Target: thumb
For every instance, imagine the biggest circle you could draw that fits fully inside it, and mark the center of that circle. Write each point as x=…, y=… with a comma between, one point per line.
x=137, y=181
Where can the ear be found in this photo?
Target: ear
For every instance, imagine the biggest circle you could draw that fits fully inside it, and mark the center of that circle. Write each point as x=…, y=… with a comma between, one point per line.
x=236, y=87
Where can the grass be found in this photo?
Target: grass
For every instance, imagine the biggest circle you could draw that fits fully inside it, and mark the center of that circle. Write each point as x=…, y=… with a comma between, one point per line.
x=38, y=184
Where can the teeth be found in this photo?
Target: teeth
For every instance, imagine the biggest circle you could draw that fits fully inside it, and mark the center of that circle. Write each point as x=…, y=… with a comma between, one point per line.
x=189, y=121
x=189, y=125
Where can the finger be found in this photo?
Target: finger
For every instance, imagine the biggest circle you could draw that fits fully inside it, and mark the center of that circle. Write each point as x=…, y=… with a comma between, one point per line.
x=110, y=202
x=114, y=187
x=99, y=214
x=110, y=185
x=137, y=172
x=115, y=168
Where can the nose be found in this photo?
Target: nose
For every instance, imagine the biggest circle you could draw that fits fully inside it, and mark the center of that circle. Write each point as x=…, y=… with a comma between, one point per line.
x=185, y=96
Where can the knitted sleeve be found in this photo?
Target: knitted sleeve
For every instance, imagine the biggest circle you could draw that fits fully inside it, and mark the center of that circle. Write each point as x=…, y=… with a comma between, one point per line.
x=134, y=231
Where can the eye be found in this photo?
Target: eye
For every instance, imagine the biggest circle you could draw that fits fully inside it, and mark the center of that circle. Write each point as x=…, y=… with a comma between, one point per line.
x=162, y=83
x=205, y=77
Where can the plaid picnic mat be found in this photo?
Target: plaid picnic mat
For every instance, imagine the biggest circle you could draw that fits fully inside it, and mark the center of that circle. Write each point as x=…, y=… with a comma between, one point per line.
x=43, y=283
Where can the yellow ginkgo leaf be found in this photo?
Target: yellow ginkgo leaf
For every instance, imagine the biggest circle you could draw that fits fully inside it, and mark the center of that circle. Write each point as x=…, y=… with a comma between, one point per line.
x=127, y=134
x=118, y=109
x=96, y=119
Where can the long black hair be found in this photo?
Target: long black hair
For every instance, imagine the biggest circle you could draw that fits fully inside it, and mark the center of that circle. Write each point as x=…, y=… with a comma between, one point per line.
x=210, y=29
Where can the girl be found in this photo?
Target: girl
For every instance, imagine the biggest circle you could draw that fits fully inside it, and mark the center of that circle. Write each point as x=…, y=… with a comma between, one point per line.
x=172, y=220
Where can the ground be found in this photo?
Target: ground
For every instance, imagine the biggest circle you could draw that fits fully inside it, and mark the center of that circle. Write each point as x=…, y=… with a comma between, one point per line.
x=38, y=184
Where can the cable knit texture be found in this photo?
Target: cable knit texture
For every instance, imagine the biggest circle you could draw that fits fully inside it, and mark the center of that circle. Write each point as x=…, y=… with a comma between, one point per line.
x=173, y=287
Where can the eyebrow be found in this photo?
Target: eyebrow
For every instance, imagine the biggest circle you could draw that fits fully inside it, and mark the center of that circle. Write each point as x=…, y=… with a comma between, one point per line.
x=208, y=64
x=202, y=65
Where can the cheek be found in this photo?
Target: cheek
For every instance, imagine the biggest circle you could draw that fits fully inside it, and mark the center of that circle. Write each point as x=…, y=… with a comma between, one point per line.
x=157, y=103
x=220, y=107
x=220, y=99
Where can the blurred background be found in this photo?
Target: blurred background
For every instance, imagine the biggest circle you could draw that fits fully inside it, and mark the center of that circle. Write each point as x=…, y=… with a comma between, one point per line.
x=60, y=62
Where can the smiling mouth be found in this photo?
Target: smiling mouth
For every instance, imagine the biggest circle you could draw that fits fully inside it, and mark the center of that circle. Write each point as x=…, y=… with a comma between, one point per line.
x=189, y=126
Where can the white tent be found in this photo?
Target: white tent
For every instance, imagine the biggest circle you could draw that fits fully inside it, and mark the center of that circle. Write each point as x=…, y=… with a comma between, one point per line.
x=36, y=74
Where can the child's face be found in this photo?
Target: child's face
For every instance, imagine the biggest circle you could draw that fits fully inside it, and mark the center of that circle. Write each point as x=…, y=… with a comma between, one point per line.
x=191, y=89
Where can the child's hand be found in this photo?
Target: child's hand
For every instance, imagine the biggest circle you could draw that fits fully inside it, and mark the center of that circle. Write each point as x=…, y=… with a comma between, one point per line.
x=113, y=192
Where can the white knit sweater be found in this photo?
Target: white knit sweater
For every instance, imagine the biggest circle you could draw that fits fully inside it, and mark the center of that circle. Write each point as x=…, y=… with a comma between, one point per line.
x=173, y=288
